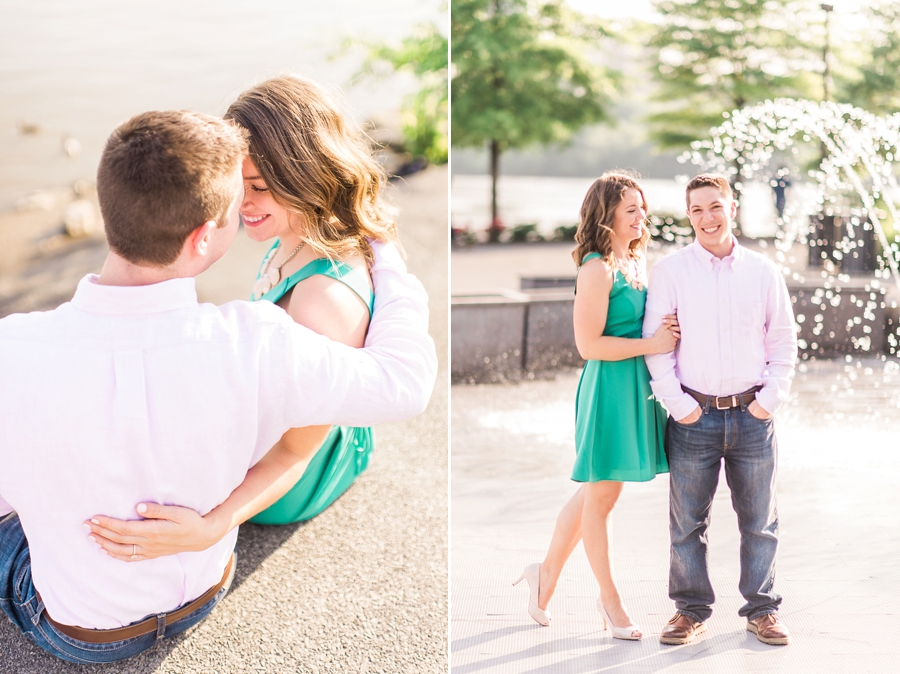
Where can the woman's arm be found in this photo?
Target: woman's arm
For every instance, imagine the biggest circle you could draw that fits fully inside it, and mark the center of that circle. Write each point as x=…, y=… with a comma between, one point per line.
x=325, y=306
x=595, y=280
x=167, y=530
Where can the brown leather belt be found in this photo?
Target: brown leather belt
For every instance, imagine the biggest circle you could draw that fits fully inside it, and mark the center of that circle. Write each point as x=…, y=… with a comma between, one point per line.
x=723, y=402
x=151, y=624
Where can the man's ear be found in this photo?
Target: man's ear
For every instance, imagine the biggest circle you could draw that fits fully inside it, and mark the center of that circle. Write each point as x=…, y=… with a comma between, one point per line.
x=198, y=241
x=733, y=209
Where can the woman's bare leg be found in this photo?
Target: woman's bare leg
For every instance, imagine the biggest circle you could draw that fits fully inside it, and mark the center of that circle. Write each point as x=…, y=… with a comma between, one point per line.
x=566, y=535
x=599, y=500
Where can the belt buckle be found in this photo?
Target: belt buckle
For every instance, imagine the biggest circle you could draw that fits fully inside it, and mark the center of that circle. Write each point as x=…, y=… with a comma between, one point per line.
x=728, y=405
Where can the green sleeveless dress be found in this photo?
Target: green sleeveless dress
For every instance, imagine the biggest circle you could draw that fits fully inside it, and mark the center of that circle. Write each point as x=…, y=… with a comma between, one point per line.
x=619, y=425
x=345, y=452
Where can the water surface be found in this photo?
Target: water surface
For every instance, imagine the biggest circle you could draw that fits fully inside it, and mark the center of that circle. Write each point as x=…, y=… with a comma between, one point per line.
x=76, y=70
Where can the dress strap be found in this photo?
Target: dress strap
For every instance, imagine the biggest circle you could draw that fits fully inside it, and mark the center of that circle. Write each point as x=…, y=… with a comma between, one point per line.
x=339, y=271
x=265, y=260
x=589, y=256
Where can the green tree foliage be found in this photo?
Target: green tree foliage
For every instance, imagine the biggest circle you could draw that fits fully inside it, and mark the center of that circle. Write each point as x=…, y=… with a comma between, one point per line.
x=875, y=84
x=523, y=75
x=718, y=55
x=424, y=113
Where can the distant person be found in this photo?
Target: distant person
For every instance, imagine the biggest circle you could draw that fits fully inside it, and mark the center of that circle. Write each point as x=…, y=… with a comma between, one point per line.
x=134, y=392
x=730, y=373
x=780, y=183
x=619, y=428
x=311, y=184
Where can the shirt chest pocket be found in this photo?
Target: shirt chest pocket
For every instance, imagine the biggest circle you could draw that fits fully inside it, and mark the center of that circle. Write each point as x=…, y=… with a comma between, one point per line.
x=751, y=315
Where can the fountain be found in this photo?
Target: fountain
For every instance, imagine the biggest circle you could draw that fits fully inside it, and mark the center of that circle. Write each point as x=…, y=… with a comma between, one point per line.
x=840, y=214
x=844, y=300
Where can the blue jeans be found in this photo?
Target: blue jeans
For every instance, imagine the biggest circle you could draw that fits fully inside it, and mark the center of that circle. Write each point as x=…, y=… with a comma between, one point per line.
x=695, y=452
x=18, y=599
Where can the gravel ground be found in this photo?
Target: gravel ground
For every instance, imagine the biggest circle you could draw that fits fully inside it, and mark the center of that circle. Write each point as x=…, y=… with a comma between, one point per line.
x=360, y=588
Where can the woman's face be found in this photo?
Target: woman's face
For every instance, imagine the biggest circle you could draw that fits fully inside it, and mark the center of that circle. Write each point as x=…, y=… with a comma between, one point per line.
x=263, y=217
x=629, y=216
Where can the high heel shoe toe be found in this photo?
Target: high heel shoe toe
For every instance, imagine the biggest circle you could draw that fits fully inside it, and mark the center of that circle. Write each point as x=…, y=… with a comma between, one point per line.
x=626, y=632
x=532, y=574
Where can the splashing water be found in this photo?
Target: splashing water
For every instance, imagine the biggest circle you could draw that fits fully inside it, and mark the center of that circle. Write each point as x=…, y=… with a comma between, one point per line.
x=854, y=178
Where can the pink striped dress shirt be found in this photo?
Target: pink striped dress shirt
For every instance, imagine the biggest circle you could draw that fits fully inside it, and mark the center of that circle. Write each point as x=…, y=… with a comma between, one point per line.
x=737, y=327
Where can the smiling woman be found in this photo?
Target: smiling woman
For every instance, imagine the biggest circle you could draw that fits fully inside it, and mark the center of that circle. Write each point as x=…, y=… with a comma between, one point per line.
x=619, y=428
x=323, y=210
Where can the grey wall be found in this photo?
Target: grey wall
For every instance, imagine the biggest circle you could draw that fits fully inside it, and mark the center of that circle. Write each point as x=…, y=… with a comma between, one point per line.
x=512, y=336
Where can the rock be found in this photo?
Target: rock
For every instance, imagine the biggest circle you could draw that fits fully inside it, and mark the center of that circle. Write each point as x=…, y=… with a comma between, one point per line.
x=36, y=201
x=82, y=188
x=28, y=128
x=81, y=219
x=71, y=146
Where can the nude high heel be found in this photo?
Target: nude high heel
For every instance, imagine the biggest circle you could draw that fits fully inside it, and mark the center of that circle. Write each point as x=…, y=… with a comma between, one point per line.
x=626, y=632
x=532, y=574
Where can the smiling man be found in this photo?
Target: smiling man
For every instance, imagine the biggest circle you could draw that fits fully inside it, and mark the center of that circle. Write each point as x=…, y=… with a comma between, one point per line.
x=728, y=375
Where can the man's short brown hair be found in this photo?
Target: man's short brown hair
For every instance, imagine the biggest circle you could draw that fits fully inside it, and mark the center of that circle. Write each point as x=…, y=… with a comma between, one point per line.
x=708, y=180
x=162, y=175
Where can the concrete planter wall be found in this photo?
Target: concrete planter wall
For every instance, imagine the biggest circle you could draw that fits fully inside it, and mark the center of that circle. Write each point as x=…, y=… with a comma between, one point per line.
x=511, y=336
x=488, y=338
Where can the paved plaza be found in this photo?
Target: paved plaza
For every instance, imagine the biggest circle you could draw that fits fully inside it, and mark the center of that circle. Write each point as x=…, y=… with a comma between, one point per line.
x=360, y=588
x=839, y=494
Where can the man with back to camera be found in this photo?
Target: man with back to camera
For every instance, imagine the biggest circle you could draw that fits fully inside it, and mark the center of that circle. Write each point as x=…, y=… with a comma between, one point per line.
x=729, y=373
x=135, y=392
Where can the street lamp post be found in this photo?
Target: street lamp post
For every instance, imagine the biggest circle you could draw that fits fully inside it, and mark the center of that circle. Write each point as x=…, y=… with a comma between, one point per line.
x=826, y=82
x=823, y=235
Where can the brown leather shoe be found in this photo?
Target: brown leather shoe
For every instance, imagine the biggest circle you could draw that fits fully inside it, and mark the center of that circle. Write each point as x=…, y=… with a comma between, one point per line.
x=681, y=630
x=770, y=630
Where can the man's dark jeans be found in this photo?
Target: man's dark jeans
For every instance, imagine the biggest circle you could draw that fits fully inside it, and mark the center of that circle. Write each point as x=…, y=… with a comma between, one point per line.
x=695, y=452
x=18, y=599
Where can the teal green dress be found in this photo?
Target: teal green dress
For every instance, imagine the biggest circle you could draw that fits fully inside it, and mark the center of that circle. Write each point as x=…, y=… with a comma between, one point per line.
x=345, y=452
x=619, y=425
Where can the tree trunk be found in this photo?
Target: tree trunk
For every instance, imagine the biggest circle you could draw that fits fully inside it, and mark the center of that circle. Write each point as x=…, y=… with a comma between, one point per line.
x=496, y=226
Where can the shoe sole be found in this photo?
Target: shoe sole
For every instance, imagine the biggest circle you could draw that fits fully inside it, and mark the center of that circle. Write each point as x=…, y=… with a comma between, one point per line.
x=780, y=641
x=676, y=641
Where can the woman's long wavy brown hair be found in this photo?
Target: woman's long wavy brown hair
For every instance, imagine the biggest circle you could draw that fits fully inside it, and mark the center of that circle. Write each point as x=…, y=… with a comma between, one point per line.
x=316, y=164
x=598, y=212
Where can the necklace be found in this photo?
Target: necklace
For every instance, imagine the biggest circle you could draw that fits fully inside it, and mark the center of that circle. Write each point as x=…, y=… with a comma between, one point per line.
x=631, y=272
x=269, y=278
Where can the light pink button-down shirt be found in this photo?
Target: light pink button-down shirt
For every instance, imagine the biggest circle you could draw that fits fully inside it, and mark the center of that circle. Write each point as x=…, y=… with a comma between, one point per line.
x=737, y=327
x=129, y=394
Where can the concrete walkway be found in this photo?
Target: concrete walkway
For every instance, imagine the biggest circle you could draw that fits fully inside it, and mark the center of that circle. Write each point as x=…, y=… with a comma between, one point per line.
x=360, y=588
x=838, y=569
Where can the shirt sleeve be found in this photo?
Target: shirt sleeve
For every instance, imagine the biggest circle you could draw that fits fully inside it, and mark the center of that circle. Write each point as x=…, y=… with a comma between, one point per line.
x=780, y=343
x=5, y=508
x=661, y=300
x=390, y=379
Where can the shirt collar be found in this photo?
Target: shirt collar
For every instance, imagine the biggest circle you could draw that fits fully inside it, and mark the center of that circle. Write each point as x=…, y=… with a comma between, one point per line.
x=707, y=258
x=178, y=293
